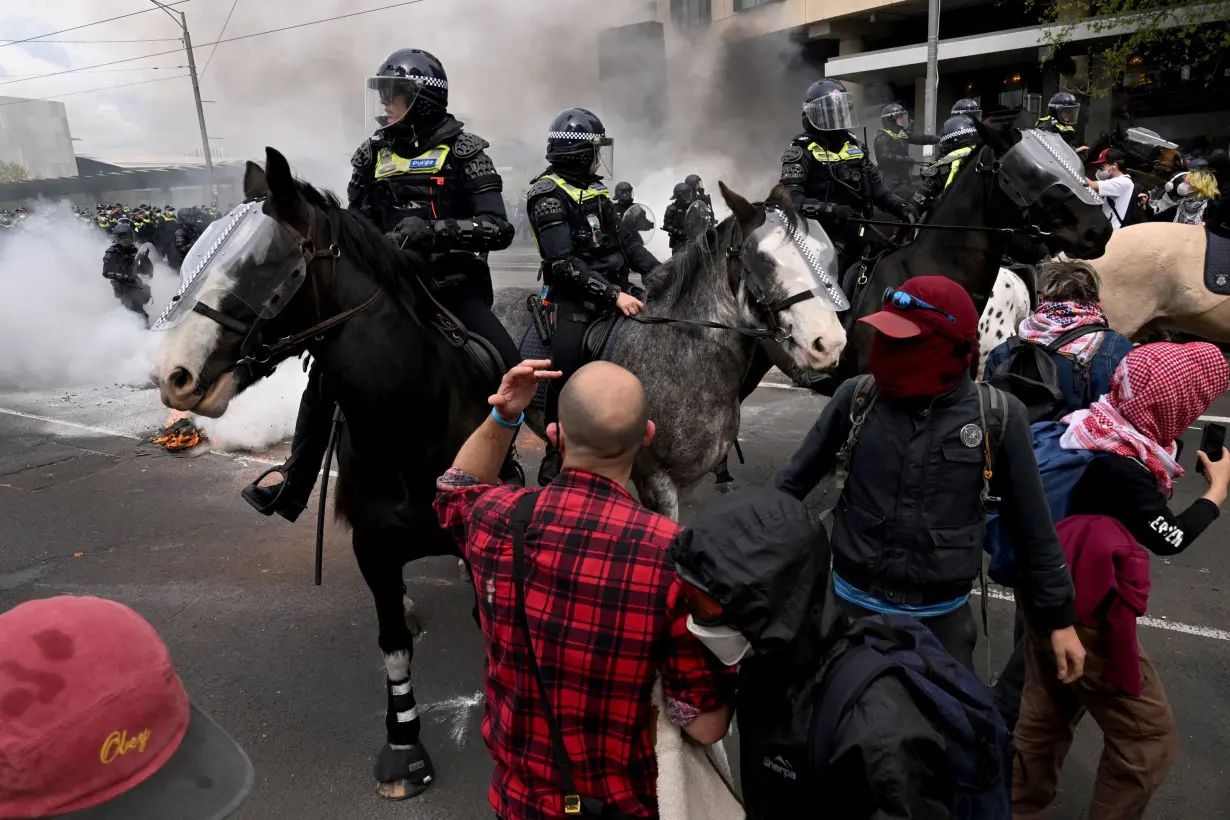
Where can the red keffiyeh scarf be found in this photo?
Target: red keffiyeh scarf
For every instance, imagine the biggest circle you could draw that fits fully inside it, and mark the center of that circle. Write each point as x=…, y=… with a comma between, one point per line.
x=1157, y=392
x=1053, y=319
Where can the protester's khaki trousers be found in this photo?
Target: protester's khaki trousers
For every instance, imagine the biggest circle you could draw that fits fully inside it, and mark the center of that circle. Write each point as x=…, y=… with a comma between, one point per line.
x=1140, y=739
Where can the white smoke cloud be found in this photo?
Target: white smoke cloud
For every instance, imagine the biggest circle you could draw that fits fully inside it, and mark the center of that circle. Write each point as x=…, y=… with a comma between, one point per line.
x=262, y=415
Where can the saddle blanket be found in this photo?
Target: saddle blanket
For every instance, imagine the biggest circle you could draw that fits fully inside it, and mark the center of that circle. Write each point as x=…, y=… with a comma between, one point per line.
x=1217, y=264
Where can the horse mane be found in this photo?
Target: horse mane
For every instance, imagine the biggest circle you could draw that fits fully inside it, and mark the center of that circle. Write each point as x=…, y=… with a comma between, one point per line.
x=360, y=241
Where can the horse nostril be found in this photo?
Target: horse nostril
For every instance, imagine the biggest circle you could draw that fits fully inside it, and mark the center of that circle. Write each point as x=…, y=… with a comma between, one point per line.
x=818, y=346
x=180, y=379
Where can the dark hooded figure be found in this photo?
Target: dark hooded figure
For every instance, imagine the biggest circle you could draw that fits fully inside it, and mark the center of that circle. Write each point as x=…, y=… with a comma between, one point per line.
x=755, y=571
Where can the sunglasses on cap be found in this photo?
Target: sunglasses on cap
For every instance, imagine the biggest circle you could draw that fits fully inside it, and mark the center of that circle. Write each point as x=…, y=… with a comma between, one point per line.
x=905, y=301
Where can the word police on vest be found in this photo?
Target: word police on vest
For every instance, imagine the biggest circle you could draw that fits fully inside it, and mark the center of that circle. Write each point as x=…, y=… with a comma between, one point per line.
x=95, y=724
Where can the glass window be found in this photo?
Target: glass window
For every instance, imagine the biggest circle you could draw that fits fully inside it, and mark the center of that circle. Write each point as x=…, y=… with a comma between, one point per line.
x=688, y=13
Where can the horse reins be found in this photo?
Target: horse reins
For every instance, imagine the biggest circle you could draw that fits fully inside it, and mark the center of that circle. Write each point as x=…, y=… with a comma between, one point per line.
x=252, y=350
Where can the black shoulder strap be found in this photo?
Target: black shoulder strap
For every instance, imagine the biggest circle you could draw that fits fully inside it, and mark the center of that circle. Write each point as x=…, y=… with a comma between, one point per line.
x=860, y=405
x=1072, y=335
x=573, y=802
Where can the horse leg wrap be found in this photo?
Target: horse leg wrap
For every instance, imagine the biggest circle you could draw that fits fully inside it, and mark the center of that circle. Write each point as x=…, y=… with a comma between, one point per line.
x=402, y=716
x=410, y=771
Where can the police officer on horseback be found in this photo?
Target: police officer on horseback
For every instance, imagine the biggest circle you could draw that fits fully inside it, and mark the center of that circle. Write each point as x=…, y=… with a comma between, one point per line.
x=586, y=258
x=965, y=107
x=429, y=184
x=892, y=144
x=682, y=198
x=1061, y=115
x=829, y=175
x=957, y=140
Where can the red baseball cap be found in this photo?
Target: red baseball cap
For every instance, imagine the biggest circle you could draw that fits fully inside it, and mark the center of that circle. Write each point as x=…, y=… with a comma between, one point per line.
x=95, y=724
x=1111, y=155
x=941, y=293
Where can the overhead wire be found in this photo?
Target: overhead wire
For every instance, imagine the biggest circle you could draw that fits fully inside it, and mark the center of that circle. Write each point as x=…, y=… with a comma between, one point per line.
x=214, y=50
x=57, y=97
x=83, y=42
x=87, y=25
x=221, y=41
x=113, y=70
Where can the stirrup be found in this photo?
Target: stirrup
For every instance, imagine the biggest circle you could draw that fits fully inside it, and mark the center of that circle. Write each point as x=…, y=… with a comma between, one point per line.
x=249, y=493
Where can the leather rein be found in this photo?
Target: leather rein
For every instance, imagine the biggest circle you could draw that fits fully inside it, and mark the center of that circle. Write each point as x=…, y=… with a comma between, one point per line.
x=253, y=352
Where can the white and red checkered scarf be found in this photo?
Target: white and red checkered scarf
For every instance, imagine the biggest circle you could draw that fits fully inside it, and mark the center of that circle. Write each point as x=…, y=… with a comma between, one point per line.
x=1157, y=392
x=1053, y=319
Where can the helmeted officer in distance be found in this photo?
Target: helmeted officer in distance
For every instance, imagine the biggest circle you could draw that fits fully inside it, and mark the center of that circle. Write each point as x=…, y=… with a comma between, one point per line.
x=586, y=258
x=697, y=185
x=892, y=144
x=829, y=175
x=121, y=266
x=965, y=107
x=623, y=199
x=957, y=140
x=672, y=218
x=1061, y=115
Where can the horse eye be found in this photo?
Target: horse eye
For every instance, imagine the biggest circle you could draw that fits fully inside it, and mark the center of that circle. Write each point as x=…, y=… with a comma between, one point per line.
x=765, y=257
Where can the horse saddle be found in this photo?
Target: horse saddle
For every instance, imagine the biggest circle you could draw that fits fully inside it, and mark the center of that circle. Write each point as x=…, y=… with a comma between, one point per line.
x=1028, y=275
x=596, y=343
x=1217, y=263
x=485, y=356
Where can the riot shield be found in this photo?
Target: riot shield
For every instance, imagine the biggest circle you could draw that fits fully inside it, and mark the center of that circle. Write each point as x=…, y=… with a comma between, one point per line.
x=1143, y=140
x=639, y=221
x=697, y=219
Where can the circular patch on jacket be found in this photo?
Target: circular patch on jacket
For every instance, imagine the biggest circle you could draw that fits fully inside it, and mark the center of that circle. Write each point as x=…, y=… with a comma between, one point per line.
x=971, y=435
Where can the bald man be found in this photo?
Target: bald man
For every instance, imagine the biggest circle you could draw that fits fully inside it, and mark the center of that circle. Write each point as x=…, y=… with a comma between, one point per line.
x=604, y=612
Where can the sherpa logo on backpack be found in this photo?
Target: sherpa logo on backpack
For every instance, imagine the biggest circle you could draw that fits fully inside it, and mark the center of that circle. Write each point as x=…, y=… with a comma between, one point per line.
x=781, y=766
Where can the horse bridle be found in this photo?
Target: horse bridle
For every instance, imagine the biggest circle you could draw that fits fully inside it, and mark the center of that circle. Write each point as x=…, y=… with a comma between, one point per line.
x=253, y=352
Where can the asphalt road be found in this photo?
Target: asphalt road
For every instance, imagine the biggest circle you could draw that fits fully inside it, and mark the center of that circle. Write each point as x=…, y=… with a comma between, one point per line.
x=293, y=670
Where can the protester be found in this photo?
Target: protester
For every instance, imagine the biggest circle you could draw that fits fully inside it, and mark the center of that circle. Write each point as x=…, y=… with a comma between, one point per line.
x=755, y=569
x=916, y=468
x=94, y=721
x=1115, y=187
x=1069, y=299
x=1159, y=390
x=602, y=606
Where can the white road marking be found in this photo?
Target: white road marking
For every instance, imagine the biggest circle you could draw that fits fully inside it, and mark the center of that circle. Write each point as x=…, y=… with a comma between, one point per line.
x=777, y=386
x=102, y=431
x=1217, y=419
x=1156, y=623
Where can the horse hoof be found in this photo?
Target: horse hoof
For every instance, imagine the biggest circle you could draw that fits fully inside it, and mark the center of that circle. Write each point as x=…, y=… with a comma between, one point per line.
x=401, y=789
x=726, y=487
x=464, y=569
x=412, y=617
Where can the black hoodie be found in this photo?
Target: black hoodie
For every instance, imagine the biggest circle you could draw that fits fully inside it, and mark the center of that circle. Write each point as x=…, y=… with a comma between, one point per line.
x=759, y=554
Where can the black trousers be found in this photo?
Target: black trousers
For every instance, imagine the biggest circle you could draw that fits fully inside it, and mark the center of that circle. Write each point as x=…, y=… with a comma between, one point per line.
x=957, y=631
x=478, y=318
x=572, y=318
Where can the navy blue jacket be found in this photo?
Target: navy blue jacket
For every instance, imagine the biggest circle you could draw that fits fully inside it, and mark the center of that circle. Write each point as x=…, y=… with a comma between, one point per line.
x=1073, y=380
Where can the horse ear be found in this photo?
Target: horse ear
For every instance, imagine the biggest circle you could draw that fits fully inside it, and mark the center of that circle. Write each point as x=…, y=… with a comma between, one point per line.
x=780, y=196
x=282, y=190
x=254, y=182
x=743, y=210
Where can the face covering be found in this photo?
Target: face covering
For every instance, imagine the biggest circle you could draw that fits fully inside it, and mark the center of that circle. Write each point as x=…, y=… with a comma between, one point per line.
x=1103, y=175
x=727, y=645
x=1183, y=189
x=922, y=366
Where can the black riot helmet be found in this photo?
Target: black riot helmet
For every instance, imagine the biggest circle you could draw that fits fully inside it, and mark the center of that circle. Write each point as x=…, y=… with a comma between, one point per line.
x=965, y=107
x=1064, y=107
x=958, y=132
x=408, y=92
x=122, y=233
x=829, y=107
x=683, y=193
x=695, y=183
x=896, y=114
x=623, y=192
x=576, y=140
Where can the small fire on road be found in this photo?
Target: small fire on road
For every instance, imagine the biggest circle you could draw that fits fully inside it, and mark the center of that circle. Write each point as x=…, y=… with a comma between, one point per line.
x=179, y=434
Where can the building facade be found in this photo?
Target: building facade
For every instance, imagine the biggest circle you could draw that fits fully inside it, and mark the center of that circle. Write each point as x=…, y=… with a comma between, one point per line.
x=35, y=135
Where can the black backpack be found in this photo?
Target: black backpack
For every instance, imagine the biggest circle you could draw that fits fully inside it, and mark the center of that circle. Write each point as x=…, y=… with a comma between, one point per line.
x=1030, y=374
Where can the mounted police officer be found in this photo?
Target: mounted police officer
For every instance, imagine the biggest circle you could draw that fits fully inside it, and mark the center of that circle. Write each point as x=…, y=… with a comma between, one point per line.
x=1061, y=115
x=965, y=107
x=429, y=184
x=892, y=146
x=673, y=217
x=957, y=140
x=829, y=176
x=123, y=264
x=586, y=258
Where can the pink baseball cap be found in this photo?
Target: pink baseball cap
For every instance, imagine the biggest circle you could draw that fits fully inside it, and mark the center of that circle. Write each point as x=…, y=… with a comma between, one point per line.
x=95, y=724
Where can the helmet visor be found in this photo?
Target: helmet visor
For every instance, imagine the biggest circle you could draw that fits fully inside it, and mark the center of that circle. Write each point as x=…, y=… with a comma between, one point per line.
x=832, y=112
x=1067, y=114
x=605, y=150
x=389, y=99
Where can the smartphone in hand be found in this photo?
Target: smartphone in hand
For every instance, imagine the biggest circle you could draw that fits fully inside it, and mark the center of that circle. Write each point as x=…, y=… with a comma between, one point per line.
x=1212, y=441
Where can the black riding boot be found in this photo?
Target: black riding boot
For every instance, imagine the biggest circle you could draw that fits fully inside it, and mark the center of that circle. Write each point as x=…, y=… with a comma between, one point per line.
x=571, y=320
x=289, y=497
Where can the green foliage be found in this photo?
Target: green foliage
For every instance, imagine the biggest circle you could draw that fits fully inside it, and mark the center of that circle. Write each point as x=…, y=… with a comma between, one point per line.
x=1169, y=34
x=12, y=172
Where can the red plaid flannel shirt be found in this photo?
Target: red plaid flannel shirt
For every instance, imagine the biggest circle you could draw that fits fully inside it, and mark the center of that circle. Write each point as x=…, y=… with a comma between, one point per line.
x=606, y=615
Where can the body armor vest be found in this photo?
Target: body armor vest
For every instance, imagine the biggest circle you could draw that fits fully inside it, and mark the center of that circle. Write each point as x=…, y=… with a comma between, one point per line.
x=426, y=186
x=591, y=219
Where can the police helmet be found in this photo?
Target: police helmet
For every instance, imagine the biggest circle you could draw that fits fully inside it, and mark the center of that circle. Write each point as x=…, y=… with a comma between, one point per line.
x=829, y=107
x=575, y=139
x=965, y=107
x=892, y=112
x=697, y=184
x=418, y=79
x=1064, y=107
x=683, y=192
x=122, y=233
x=958, y=132
x=623, y=192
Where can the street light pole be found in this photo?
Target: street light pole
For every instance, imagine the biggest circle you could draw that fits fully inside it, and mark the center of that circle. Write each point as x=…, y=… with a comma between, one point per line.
x=196, y=93
x=933, y=49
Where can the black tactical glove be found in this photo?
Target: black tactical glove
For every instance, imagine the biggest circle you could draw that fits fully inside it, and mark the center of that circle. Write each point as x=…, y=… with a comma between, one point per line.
x=908, y=212
x=414, y=234
x=827, y=211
